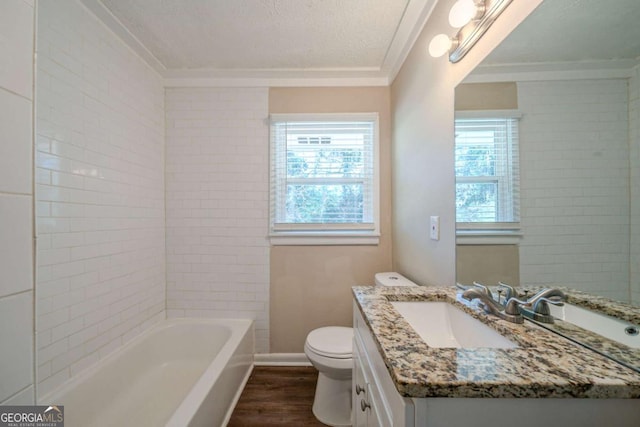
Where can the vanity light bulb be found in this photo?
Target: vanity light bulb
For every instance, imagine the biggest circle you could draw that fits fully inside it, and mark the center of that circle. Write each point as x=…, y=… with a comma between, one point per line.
x=439, y=45
x=462, y=12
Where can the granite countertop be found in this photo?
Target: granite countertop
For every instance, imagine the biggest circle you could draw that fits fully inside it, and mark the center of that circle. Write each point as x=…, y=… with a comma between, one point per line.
x=620, y=310
x=543, y=365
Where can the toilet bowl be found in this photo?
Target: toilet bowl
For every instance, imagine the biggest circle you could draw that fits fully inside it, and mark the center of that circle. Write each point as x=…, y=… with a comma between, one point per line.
x=329, y=349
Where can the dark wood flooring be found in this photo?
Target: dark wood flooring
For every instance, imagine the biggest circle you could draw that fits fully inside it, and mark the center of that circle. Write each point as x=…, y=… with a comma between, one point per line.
x=277, y=396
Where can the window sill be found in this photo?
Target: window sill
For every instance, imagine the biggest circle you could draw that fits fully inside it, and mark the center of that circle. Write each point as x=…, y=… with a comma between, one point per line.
x=323, y=238
x=488, y=237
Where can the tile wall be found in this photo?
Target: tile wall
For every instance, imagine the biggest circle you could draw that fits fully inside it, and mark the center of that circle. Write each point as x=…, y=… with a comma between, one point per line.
x=634, y=140
x=217, y=177
x=575, y=184
x=100, y=193
x=16, y=201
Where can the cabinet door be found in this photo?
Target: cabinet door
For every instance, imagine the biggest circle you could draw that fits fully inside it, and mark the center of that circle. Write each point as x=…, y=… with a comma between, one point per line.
x=372, y=412
x=358, y=392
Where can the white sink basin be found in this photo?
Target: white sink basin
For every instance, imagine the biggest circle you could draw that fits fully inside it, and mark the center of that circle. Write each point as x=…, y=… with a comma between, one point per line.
x=607, y=326
x=444, y=326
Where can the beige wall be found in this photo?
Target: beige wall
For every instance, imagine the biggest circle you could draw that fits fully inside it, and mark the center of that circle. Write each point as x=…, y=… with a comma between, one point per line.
x=311, y=285
x=488, y=264
x=422, y=101
x=487, y=96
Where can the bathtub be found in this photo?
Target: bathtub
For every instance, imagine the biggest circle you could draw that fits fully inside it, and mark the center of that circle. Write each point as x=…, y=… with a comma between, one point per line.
x=181, y=372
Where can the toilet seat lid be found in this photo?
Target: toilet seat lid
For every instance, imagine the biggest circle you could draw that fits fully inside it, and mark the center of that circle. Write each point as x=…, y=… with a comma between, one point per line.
x=331, y=341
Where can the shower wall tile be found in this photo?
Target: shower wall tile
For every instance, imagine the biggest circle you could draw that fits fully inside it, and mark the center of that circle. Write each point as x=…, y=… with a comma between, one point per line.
x=100, y=193
x=634, y=158
x=217, y=180
x=16, y=200
x=574, y=168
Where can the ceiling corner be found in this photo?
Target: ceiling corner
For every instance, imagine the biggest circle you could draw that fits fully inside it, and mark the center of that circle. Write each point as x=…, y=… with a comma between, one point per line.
x=413, y=20
x=112, y=23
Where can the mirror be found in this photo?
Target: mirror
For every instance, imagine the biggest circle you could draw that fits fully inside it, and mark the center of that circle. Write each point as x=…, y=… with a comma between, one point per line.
x=571, y=71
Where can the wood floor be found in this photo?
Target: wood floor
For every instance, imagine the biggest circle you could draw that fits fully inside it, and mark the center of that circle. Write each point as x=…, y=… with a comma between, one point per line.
x=277, y=396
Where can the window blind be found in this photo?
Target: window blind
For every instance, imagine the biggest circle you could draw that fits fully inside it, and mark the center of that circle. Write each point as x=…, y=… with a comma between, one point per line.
x=487, y=170
x=322, y=174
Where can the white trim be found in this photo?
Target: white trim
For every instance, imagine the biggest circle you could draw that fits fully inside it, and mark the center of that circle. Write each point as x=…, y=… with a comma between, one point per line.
x=322, y=228
x=117, y=27
x=281, y=359
x=413, y=21
x=585, y=70
x=276, y=82
x=490, y=114
x=323, y=239
x=488, y=237
x=327, y=117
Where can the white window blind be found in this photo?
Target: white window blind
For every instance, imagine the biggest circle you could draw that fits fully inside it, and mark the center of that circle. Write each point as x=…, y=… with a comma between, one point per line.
x=487, y=171
x=324, y=173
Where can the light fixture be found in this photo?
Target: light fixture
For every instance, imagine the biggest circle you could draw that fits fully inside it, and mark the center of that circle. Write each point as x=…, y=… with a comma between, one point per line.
x=464, y=11
x=440, y=45
x=473, y=18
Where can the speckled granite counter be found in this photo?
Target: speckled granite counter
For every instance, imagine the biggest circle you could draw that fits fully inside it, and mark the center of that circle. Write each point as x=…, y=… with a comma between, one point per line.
x=626, y=312
x=543, y=365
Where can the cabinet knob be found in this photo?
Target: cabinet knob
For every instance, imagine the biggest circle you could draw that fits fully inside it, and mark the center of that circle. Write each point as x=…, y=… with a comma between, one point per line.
x=359, y=389
x=364, y=405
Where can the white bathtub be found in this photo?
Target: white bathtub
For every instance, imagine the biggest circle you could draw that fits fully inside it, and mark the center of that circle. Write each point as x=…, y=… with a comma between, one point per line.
x=182, y=372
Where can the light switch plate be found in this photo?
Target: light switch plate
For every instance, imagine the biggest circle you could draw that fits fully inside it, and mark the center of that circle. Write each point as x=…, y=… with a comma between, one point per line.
x=434, y=228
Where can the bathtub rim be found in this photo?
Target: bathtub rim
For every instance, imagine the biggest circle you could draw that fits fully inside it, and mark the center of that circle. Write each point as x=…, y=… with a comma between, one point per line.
x=196, y=397
x=246, y=325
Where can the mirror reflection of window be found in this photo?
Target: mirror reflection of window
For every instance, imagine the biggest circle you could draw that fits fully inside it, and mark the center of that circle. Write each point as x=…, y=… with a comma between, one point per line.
x=487, y=171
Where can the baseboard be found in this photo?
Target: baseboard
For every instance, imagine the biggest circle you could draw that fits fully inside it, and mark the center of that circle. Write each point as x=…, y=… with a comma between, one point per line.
x=281, y=359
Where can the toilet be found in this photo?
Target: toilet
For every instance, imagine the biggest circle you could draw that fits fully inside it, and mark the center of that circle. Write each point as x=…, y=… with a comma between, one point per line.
x=329, y=349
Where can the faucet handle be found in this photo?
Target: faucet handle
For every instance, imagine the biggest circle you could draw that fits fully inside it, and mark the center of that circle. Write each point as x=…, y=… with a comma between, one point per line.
x=510, y=291
x=541, y=306
x=485, y=289
x=550, y=294
x=513, y=305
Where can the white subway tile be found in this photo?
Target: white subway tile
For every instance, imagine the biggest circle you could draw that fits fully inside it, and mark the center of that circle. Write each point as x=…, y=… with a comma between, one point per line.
x=16, y=258
x=16, y=147
x=216, y=216
x=16, y=351
x=100, y=189
x=16, y=27
x=574, y=200
x=23, y=397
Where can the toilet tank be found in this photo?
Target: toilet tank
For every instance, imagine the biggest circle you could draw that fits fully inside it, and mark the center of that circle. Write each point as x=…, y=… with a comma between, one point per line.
x=392, y=278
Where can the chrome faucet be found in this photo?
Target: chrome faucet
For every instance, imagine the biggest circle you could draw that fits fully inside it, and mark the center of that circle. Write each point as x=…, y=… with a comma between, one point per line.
x=509, y=312
x=551, y=294
x=484, y=289
x=509, y=291
x=537, y=307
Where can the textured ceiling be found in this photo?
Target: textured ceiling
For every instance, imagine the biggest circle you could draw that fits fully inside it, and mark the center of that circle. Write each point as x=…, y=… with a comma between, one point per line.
x=263, y=34
x=574, y=30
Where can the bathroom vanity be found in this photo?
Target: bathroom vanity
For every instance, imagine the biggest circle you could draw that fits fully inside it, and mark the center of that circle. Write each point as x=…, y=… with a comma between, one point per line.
x=542, y=379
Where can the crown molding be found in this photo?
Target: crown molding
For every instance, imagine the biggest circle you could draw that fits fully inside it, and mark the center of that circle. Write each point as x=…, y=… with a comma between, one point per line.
x=111, y=22
x=575, y=70
x=275, y=77
x=413, y=20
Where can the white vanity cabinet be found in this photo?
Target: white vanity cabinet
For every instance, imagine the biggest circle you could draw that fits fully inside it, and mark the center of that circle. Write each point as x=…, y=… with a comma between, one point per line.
x=365, y=411
x=375, y=400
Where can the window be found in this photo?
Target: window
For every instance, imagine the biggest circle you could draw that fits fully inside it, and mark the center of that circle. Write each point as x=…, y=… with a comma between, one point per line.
x=487, y=173
x=324, y=179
